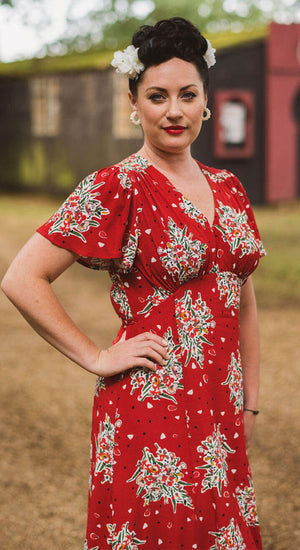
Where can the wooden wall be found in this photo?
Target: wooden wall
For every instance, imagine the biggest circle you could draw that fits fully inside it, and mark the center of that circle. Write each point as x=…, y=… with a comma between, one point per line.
x=51, y=145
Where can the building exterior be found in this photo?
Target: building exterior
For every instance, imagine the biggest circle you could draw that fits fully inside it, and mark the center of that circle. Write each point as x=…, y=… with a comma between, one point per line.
x=256, y=124
x=283, y=113
x=57, y=124
x=235, y=139
x=58, y=127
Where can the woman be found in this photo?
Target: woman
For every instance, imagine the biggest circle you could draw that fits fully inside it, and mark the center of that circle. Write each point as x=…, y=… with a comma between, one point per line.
x=171, y=416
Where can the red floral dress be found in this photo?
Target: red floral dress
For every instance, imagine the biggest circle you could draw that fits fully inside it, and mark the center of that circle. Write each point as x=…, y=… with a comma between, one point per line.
x=169, y=468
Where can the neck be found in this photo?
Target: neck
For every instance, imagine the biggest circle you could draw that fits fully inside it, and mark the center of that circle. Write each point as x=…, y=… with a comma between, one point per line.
x=169, y=162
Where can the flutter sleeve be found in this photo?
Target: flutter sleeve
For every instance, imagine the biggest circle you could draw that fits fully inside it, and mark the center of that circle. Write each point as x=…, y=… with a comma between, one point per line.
x=97, y=221
x=244, y=204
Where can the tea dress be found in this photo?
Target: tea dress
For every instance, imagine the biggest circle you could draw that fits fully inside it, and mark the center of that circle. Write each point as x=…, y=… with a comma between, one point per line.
x=168, y=466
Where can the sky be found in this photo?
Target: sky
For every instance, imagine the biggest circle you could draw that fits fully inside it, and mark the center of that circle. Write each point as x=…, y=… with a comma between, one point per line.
x=19, y=41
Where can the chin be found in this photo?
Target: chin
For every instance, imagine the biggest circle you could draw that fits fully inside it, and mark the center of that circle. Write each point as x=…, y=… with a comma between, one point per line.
x=175, y=146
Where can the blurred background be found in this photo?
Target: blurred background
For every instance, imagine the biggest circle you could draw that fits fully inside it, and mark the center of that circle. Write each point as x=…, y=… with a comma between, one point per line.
x=63, y=114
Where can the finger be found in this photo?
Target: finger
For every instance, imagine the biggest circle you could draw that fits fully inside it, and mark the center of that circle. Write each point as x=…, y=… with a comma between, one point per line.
x=155, y=346
x=153, y=337
x=162, y=350
x=149, y=351
x=145, y=363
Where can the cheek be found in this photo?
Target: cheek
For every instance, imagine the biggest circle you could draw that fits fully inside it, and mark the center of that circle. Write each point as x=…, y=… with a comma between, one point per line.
x=197, y=122
x=150, y=116
x=198, y=115
x=198, y=112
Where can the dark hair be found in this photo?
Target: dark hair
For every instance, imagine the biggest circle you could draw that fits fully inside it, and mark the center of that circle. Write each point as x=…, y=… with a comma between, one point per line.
x=175, y=37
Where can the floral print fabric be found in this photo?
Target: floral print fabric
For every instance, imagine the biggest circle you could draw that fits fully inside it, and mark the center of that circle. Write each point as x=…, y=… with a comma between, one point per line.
x=168, y=467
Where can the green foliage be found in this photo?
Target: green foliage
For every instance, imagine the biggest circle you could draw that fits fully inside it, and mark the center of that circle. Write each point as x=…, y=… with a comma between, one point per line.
x=97, y=59
x=112, y=25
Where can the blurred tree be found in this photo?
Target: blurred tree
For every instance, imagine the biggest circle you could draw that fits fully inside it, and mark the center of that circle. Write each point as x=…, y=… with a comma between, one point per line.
x=33, y=13
x=111, y=23
x=16, y=3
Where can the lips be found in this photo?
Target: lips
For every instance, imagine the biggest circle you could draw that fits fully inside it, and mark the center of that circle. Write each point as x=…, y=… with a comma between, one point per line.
x=175, y=129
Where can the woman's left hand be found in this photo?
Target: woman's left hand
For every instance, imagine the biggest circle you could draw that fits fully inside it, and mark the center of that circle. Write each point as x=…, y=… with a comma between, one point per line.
x=249, y=424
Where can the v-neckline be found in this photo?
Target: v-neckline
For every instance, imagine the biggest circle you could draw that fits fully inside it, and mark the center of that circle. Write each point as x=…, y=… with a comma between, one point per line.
x=151, y=168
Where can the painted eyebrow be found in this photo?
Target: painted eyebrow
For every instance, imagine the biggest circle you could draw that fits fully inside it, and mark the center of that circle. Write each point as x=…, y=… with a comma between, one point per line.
x=164, y=90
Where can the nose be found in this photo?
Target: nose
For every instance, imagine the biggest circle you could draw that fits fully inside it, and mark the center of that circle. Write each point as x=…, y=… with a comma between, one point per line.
x=174, y=109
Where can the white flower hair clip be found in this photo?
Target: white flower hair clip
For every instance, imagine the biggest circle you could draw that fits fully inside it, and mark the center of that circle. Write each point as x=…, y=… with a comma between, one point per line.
x=127, y=62
x=209, y=55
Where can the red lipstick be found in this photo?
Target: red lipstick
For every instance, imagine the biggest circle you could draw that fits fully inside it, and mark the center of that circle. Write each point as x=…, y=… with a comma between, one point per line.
x=175, y=130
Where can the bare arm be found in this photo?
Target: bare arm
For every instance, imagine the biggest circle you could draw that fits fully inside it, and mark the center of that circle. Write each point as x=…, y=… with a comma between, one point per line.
x=27, y=284
x=249, y=343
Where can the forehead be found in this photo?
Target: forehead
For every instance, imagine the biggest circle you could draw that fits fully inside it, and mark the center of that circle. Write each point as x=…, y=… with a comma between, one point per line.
x=173, y=73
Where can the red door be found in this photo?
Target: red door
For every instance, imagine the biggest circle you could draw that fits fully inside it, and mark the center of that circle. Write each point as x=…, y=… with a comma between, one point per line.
x=282, y=132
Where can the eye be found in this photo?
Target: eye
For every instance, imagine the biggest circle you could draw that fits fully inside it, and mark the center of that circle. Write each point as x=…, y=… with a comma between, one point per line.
x=189, y=96
x=156, y=97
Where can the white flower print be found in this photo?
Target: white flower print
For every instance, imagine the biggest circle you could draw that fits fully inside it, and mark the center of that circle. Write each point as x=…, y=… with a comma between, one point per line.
x=153, y=300
x=236, y=231
x=124, y=179
x=119, y=296
x=129, y=250
x=192, y=211
x=160, y=476
x=247, y=503
x=105, y=448
x=229, y=286
x=219, y=177
x=100, y=385
x=80, y=211
x=194, y=319
x=235, y=382
x=124, y=539
x=228, y=537
x=165, y=382
x=182, y=256
x=134, y=162
x=214, y=450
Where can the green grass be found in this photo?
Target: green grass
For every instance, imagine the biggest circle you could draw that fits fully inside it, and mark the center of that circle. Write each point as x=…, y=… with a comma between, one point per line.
x=278, y=275
x=276, y=280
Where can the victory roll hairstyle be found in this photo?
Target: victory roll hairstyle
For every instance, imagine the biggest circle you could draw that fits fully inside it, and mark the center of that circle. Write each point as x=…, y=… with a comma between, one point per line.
x=169, y=38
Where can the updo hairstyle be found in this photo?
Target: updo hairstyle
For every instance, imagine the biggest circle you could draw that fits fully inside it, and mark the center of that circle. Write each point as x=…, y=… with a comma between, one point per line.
x=169, y=38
